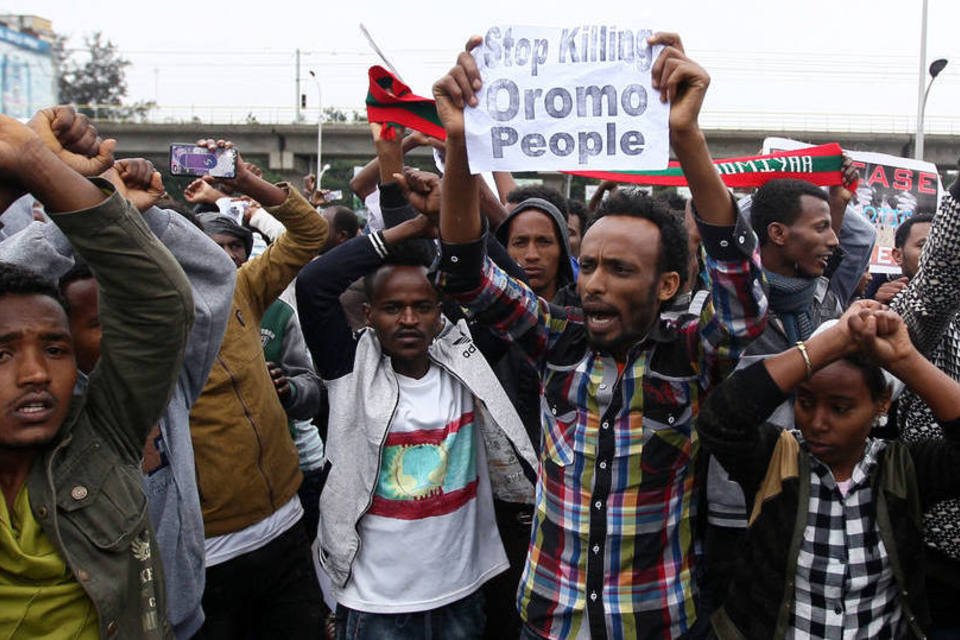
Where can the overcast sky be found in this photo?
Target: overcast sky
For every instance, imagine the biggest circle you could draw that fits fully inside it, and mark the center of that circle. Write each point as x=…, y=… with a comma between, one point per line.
x=770, y=61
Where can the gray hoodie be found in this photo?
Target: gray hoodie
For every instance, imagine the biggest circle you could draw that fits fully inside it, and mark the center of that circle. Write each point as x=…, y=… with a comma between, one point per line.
x=565, y=277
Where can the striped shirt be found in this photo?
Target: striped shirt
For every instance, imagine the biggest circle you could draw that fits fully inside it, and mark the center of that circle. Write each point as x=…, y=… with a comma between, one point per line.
x=613, y=550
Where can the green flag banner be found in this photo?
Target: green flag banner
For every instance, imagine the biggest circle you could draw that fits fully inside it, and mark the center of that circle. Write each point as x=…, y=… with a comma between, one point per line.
x=819, y=165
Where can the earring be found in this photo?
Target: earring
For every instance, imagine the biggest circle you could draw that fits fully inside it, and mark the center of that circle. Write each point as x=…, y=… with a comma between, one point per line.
x=880, y=420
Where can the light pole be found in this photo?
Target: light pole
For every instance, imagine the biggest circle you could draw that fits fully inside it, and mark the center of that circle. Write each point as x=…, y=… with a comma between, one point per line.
x=935, y=68
x=921, y=73
x=316, y=80
x=320, y=175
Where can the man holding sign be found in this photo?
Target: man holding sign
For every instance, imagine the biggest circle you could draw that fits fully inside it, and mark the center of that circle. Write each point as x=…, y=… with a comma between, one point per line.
x=613, y=548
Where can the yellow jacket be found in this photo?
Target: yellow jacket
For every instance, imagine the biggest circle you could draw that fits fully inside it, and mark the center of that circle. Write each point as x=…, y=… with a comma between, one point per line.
x=247, y=464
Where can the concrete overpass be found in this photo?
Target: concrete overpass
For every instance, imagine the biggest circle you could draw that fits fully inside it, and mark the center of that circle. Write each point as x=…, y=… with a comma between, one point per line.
x=290, y=149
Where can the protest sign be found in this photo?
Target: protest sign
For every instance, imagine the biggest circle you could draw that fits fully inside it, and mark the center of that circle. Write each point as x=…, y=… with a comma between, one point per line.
x=555, y=99
x=891, y=189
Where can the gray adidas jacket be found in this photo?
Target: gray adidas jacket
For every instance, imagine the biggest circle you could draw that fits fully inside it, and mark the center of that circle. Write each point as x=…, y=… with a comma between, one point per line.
x=364, y=392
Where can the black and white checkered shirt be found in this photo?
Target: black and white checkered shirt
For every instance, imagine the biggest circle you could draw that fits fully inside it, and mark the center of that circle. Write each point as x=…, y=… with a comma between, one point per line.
x=845, y=586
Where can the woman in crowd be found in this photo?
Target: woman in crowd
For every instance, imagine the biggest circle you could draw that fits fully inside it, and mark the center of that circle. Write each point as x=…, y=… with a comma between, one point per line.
x=834, y=547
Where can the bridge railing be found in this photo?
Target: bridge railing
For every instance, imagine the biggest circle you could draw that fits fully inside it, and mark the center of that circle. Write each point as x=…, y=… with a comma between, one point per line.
x=711, y=119
x=217, y=114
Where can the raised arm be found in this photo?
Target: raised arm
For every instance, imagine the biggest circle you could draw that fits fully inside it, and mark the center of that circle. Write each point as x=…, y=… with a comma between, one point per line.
x=202, y=192
x=258, y=218
x=365, y=182
x=265, y=277
x=736, y=312
x=597, y=197
x=839, y=196
x=460, y=204
x=684, y=83
x=44, y=248
x=404, y=192
x=137, y=180
x=932, y=298
x=39, y=246
x=212, y=277
x=248, y=180
x=857, y=236
x=732, y=422
x=324, y=324
x=732, y=428
x=64, y=135
x=490, y=206
x=505, y=184
x=35, y=168
x=504, y=304
x=146, y=308
x=883, y=336
x=855, y=233
x=73, y=140
x=211, y=273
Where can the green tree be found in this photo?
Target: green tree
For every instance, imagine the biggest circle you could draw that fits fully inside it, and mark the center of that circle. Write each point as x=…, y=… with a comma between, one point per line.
x=97, y=83
x=332, y=114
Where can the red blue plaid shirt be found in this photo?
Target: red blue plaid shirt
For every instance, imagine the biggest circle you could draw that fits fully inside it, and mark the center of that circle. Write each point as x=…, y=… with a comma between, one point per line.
x=613, y=543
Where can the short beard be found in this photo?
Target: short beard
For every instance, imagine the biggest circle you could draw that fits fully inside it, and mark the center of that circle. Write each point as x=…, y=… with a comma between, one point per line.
x=622, y=344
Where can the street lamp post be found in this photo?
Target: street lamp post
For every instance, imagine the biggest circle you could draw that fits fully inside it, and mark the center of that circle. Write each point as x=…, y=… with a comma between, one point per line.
x=316, y=80
x=935, y=68
x=320, y=175
x=921, y=73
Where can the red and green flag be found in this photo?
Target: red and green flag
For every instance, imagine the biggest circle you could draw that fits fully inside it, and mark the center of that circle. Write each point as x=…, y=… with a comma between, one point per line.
x=391, y=102
x=820, y=165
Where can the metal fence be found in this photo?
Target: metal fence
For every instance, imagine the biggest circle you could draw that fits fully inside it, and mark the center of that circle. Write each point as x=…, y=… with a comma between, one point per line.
x=728, y=120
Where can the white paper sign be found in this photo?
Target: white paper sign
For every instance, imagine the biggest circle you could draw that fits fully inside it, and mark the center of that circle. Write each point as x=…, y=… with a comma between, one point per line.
x=556, y=99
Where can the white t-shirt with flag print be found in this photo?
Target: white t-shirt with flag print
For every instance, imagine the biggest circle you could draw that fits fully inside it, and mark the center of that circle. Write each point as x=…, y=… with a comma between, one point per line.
x=430, y=537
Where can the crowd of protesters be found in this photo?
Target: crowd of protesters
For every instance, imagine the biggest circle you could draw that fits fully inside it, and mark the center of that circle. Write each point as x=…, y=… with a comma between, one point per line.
x=482, y=414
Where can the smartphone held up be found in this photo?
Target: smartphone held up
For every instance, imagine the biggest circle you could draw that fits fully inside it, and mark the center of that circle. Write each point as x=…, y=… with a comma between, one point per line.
x=193, y=160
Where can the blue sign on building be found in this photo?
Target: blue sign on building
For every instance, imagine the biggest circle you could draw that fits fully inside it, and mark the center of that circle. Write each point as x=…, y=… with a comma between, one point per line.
x=27, y=78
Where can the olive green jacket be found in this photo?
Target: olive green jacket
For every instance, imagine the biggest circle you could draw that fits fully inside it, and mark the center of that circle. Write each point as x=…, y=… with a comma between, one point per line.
x=86, y=488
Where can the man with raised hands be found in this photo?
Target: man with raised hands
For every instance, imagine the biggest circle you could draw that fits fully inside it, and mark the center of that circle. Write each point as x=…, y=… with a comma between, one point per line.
x=79, y=557
x=169, y=474
x=613, y=548
x=260, y=578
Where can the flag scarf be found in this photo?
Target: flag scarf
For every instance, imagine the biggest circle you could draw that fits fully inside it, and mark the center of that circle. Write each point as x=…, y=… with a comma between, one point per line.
x=390, y=101
x=819, y=165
